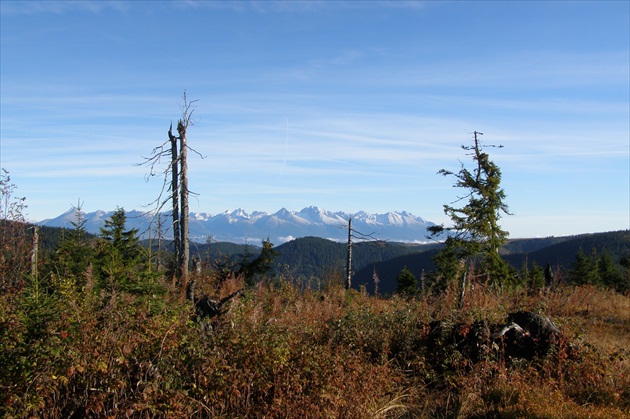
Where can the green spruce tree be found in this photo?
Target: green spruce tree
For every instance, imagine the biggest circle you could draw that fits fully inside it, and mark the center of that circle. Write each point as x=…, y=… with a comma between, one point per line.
x=475, y=231
x=121, y=260
x=407, y=282
x=126, y=242
x=71, y=260
x=624, y=281
x=584, y=269
x=260, y=266
x=609, y=274
x=536, y=276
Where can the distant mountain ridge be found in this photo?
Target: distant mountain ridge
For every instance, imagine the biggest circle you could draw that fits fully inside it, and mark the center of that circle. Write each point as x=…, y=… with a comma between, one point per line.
x=239, y=226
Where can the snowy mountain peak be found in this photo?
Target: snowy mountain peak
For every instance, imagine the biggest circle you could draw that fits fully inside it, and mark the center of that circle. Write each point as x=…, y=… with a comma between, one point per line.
x=239, y=226
x=317, y=215
x=240, y=214
x=282, y=213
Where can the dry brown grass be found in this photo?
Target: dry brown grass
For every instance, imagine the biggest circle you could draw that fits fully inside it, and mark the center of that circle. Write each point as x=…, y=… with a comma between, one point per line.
x=285, y=352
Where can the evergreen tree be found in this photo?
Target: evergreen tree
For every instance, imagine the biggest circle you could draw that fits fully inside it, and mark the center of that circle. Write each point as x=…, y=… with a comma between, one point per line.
x=120, y=257
x=536, y=276
x=259, y=266
x=608, y=273
x=624, y=282
x=475, y=231
x=584, y=269
x=407, y=282
x=126, y=242
x=72, y=258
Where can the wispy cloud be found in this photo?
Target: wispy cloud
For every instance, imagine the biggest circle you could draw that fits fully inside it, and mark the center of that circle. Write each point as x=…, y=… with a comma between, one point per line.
x=513, y=70
x=291, y=6
x=13, y=8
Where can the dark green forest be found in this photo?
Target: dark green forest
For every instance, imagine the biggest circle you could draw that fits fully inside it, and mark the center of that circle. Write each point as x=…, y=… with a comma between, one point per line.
x=311, y=259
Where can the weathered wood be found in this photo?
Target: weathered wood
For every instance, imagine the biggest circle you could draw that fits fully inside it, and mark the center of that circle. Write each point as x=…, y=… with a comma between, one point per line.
x=185, y=244
x=35, y=253
x=525, y=335
x=349, y=260
x=175, y=199
x=206, y=306
x=528, y=335
x=462, y=294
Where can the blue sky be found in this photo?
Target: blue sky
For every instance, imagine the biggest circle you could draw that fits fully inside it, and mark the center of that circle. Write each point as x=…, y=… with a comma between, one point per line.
x=343, y=105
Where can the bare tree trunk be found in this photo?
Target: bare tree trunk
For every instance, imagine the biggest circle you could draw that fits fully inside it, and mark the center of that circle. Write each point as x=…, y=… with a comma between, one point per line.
x=185, y=245
x=175, y=191
x=376, y=281
x=35, y=253
x=158, y=232
x=179, y=190
x=463, y=290
x=349, y=261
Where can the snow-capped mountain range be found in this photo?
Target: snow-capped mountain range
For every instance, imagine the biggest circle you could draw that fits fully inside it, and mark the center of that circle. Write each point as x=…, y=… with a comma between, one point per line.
x=239, y=226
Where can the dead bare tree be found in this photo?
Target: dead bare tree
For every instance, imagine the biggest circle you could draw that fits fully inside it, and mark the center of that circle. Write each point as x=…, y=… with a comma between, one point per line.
x=175, y=196
x=182, y=127
x=352, y=233
x=177, y=168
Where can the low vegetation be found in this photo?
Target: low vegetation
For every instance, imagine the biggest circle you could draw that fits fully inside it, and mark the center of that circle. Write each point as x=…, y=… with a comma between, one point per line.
x=281, y=351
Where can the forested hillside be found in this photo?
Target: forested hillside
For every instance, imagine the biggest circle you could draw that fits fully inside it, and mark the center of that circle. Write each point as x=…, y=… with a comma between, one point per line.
x=560, y=253
x=313, y=258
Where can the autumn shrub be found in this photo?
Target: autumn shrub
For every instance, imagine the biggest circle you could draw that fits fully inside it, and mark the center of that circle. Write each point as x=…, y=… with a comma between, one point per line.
x=281, y=350
x=15, y=238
